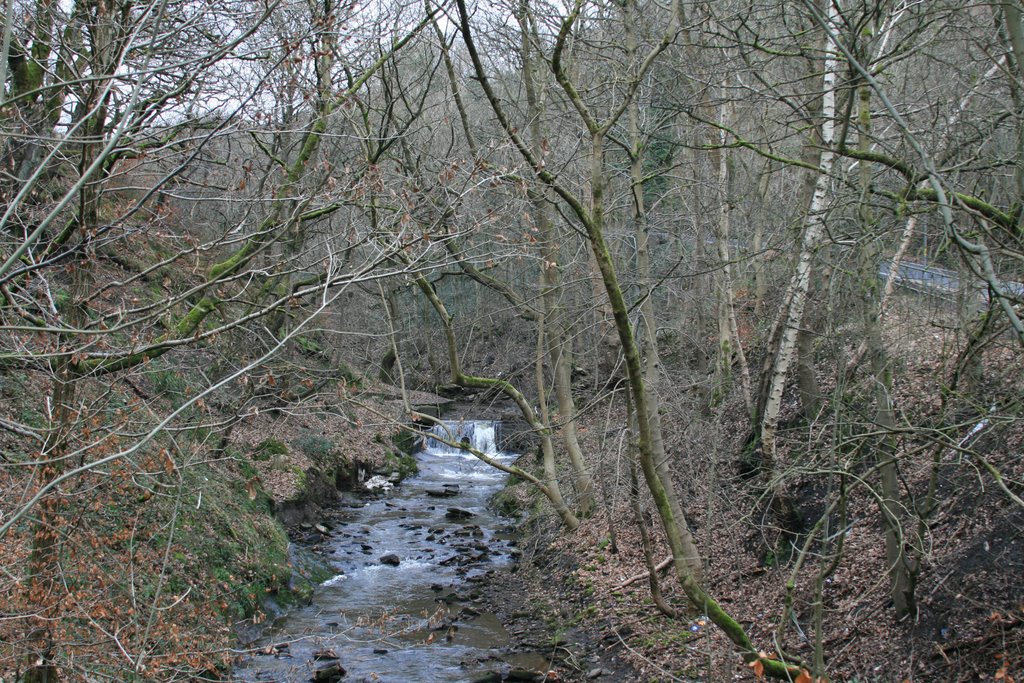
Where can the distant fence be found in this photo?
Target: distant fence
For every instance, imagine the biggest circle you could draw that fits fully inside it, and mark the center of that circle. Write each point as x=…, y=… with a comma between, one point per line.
x=941, y=282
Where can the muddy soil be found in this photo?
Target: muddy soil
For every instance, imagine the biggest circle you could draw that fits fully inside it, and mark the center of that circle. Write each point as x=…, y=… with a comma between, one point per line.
x=544, y=614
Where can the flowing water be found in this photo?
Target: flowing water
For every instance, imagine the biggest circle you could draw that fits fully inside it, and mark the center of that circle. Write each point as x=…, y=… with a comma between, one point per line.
x=414, y=621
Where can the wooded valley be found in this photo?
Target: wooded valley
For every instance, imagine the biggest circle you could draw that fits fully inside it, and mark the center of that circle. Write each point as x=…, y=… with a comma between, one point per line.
x=742, y=282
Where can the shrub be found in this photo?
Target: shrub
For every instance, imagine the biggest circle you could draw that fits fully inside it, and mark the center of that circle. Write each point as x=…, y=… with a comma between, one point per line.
x=314, y=445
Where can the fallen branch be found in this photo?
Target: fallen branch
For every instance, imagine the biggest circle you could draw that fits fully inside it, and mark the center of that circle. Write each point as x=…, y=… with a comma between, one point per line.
x=21, y=429
x=643, y=575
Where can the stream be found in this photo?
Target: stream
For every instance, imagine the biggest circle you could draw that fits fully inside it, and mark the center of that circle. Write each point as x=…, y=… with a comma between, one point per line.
x=411, y=621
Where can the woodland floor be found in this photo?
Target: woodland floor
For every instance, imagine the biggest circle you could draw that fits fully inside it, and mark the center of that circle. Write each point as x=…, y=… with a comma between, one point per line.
x=969, y=623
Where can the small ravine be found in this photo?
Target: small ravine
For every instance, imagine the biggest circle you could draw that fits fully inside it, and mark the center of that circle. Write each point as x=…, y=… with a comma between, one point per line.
x=401, y=608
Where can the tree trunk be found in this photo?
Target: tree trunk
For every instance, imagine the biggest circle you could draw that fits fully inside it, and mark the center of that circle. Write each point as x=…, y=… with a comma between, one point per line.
x=559, y=344
x=653, y=460
x=44, y=559
x=730, y=347
x=806, y=374
x=894, y=522
x=641, y=522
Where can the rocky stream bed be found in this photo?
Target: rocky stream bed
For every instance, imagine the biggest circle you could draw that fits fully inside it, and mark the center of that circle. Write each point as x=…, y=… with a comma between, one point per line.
x=429, y=588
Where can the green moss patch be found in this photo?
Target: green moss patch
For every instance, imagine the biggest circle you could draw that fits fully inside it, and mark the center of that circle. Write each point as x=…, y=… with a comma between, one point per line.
x=514, y=499
x=267, y=449
x=228, y=534
x=405, y=441
x=400, y=462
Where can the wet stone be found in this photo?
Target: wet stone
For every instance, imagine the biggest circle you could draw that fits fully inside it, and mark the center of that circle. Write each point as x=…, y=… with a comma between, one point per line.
x=332, y=673
x=390, y=559
x=489, y=677
x=323, y=655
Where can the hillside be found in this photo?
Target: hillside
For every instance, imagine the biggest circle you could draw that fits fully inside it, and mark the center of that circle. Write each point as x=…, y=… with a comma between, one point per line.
x=737, y=286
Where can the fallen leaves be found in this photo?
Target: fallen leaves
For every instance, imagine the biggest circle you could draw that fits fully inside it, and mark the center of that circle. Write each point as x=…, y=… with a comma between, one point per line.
x=758, y=665
x=167, y=461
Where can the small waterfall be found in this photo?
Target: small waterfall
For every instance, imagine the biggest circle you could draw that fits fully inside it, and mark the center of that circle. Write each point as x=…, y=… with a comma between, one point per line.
x=480, y=434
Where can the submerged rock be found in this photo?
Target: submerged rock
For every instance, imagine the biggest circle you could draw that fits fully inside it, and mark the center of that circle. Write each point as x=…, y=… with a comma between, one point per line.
x=459, y=513
x=489, y=677
x=332, y=673
x=322, y=655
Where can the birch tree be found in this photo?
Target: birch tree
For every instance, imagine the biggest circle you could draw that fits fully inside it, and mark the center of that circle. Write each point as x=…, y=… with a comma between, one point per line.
x=810, y=242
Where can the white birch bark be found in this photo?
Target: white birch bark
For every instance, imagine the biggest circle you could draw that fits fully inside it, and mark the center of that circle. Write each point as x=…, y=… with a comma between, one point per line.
x=812, y=234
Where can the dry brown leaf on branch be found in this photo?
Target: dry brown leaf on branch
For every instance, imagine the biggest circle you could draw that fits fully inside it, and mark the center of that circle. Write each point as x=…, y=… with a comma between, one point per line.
x=250, y=487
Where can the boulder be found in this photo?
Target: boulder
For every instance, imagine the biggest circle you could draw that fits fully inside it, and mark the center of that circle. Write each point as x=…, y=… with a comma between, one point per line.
x=391, y=559
x=459, y=514
x=332, y=673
